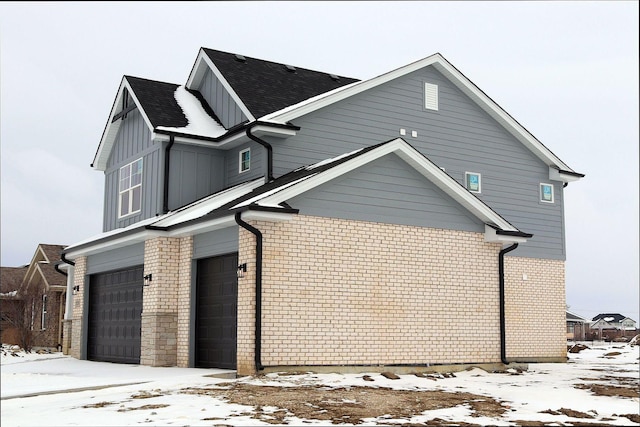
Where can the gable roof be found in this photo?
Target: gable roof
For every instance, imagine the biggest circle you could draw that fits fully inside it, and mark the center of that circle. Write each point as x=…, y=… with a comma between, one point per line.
x=269, y=200
x=42, y=270
x=575, y=318
x=561, y=171
x=11, y=279
x=262, y=87
x=610, y=317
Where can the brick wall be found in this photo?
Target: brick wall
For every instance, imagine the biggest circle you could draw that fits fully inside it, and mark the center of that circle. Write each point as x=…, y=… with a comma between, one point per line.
x=535, y=310
x=78, y=306
x=338, y=292
x=184, y=301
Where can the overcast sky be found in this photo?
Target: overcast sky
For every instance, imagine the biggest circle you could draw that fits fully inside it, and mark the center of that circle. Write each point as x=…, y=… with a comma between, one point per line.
x=567, y=71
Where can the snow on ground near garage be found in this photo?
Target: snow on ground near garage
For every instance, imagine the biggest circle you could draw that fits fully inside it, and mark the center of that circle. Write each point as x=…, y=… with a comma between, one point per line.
x=57, y=390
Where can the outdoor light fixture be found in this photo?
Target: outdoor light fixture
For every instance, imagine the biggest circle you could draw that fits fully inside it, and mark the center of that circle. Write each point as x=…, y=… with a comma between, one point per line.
x=76, y=289
x=242, y=268
x=147, y=279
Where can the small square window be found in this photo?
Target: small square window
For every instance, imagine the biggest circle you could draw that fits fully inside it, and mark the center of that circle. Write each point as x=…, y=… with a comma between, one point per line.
x=245, y=160
x=546, y=193
x=473, y=182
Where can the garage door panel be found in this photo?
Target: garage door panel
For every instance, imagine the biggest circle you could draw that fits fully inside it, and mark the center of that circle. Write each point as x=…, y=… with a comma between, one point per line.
x=115, y=306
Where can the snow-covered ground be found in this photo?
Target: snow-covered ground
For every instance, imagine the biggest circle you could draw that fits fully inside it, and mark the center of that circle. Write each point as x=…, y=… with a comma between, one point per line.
x=598, y=385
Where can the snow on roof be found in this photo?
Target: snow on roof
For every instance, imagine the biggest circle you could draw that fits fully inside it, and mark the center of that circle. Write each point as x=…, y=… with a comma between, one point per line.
x=609, y=319
x=270, y=192
x=200, y=122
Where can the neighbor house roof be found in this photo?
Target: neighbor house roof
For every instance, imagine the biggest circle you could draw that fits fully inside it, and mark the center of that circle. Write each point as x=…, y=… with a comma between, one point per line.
x=269, y=199
x=42, y=270
x=610, y=317
x=11, y=279
x=575, y=318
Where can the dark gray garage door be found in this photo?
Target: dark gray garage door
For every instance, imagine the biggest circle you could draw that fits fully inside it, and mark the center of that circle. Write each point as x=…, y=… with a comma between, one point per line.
x=216, y=312
x=115, y=306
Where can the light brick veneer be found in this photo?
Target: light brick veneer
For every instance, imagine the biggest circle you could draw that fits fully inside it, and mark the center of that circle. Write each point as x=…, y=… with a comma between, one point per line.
x=163, y=258
x=535, y=310
x=80, y=271
x=339, y=292
x=184, y=301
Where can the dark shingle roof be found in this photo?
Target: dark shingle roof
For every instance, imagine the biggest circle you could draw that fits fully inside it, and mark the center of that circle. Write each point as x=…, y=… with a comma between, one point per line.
x=615, y=317
x=158, y=102
x=265, y=87
x=11, y=278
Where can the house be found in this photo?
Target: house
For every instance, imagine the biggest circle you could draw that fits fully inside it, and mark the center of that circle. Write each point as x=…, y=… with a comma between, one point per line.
x=38, y=299
x=264, y=216
x=11, y=306
x=607, y=326
x=576, y=327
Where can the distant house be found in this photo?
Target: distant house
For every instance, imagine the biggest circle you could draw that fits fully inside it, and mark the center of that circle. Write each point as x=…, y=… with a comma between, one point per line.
x=264, y=216
x=607, y=326
x=576, y=327
x=11, y=306
x=34, y=299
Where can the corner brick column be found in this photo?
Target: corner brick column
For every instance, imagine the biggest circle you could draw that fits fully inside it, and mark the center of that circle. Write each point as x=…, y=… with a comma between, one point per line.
x=162, y=259
x=246, y=332
x=66, y=335
x=184, y=301
x=75, y=334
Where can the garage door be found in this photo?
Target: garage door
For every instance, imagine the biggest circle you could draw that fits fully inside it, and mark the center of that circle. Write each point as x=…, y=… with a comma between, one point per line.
x=216, y=312
x=115, y=306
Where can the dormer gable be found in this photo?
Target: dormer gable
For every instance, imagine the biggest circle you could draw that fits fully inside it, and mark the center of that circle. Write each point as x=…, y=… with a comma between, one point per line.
x=42, y=272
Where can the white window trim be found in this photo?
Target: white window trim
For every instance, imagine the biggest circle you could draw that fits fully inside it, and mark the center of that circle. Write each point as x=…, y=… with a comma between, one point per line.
x=430, y=96
x=43, y=320
x=129, y=190
x=466, y=174
x=553, y=196
x=240, y=170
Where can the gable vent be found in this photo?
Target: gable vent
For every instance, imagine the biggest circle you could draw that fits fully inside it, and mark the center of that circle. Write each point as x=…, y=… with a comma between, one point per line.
x=430, y=96
x=240, y=58
x=290, y=68
x=334, y=77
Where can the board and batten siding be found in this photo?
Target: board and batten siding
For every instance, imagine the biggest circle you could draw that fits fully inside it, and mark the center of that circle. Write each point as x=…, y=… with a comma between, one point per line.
x=214, y=243
x=458, y=137
x=387, y=190
x=220, y=101
x=194, y=172
x=133, y=142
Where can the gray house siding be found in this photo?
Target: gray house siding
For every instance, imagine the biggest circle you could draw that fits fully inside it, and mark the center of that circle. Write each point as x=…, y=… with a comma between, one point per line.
x=232, y=164
x=133, y=142
x=214, y=243
x=128, y=256
x=220, y=101
x=194, y=172
x=459, y=137
x=387, y=190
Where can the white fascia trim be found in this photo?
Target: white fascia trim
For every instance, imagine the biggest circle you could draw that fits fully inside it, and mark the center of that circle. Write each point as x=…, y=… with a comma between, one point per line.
x=116, y=243
x=198, y=73
x=491, y=236
x=202, y=227
x=111, y=129
x=266, y=216
x=455, y=76
x=414, y=159
x=556, y=175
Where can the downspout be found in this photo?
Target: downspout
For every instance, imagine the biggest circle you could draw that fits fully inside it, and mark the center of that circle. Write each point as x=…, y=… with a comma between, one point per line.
x=266, y=145
x=258, y=323
x=68, y=309
x=167, y=158
x=503, y=345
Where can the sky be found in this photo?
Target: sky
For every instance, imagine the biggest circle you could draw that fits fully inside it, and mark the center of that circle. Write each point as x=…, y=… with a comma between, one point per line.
x=527, y=396
x=567, y=71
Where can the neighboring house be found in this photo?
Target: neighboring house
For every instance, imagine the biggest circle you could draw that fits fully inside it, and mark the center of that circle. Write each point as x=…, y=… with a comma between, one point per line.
x=11, y=306
x=608, y=326
x=264, y=216
x=577, y=327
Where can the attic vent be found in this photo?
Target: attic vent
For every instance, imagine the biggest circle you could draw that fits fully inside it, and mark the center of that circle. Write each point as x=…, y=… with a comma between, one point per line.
x=290, y=68
x=334, y=77
x=430, y=96
x=240, y=58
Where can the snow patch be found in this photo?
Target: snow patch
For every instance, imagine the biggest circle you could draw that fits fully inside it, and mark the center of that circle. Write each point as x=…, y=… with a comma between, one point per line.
x=200, y=123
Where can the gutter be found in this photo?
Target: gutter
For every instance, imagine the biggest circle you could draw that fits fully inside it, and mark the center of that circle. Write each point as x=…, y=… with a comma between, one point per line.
x=231, y=132
x=167, y=158
x=503, y=345
x=258, y=319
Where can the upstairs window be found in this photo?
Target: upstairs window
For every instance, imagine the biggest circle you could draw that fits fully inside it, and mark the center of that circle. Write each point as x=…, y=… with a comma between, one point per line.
x=473, y=182
x=43, y=325
x=430, y=96
x=245, y=160
x=546, y=193
x=131, y=188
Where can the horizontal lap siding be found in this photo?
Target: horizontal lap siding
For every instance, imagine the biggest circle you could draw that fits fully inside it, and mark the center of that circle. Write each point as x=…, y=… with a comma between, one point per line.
x=459, y=137
x=232, y=164
x=214, y=243
x=116, y=259
x=388, y=190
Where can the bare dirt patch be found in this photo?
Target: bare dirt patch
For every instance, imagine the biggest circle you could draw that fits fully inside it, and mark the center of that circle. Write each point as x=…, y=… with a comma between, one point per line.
x=568, y=412
x=346, y=405
x=610, y=390
x=143, y=407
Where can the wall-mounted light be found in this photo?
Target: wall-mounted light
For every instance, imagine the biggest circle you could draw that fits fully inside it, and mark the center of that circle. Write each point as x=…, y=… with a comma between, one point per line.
x=147, y=279
x=242, y=268
x=76, y=289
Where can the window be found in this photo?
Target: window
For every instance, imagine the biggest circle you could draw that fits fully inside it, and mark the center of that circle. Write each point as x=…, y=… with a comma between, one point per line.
x=43, y=326
x=473, y=182
x=245, y=160
x=131, y=188
x=430, y=96
x=546, y=193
